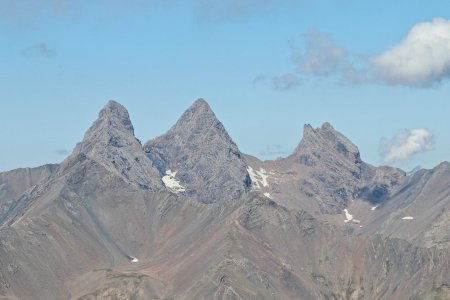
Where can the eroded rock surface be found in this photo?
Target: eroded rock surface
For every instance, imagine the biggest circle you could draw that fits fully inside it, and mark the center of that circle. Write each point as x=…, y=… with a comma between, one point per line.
x=193, y=218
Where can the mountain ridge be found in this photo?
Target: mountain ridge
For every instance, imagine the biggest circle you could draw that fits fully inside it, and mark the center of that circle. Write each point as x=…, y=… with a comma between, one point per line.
x=188, y=216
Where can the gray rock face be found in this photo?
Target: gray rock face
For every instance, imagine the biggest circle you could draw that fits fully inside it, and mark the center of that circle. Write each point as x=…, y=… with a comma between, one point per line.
x=325, y=174
x=325, y=140
x=322, y=175
x=15, y=182
x=102, y=226
x=207, y=162
x=333, y=163
x=111, y=142
x=378, y=183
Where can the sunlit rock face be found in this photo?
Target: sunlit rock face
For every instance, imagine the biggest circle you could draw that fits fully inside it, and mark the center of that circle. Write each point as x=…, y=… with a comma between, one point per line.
x=188, y=216
x=207, y=161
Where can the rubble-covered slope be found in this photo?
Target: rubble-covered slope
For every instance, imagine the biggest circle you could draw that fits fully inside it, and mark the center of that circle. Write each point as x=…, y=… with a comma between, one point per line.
x=193, y=218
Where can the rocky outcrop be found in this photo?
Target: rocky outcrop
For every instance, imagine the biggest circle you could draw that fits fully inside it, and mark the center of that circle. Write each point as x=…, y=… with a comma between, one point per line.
x=325, y=174
x=111, y=142
x=207, y=162
x=378, y=183
x=332, y=161
x=15, y=182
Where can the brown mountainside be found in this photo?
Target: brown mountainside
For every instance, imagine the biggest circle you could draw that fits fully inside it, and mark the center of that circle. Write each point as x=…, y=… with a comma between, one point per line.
x=188, y=216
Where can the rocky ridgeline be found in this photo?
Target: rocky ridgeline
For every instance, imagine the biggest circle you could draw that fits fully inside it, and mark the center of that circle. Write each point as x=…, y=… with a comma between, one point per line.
x=188, y=216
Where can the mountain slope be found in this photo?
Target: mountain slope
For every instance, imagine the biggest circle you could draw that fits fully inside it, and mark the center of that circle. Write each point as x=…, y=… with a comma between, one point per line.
x=419, y=210
x=15, y=182
x=324, y=174
x=108, y=224
x=264, y=251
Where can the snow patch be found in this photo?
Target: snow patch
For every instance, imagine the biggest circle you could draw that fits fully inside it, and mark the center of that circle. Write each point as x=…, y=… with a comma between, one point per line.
x=171, y=183
x=374, y=207
x=267, y=195
x=349, y=217
x=259, y=178
x=408, y=218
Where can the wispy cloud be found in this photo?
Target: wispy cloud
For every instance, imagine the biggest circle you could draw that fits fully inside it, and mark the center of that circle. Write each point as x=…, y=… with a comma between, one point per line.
x=61, y=151
x=231, y=9
x=318, y=56
x=20, y=12
x=261, y=78
x=204, y=11
x=285, y=82
x=323, y=57
x=405, y=145
x=56, y=5
x=281, y=83
x=422, y=58
x=26, y=14
x=39, y=49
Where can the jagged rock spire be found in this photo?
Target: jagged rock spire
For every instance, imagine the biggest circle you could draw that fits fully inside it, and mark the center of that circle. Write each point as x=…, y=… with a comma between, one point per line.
x=206, y=160
x=326, y=139
x=111, y=141
x=199, y=122
x=332, y=163
x=115, y=112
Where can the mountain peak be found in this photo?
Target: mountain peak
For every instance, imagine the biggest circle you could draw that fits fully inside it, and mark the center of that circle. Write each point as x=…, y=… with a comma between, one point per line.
x=327, y=126
x=113, y=105
x=443, y=166
x=111, y=141
x=332, y=162
x=326, y=138
x=115, y=114
x=198, y=115
x=200, y=103
x=202, y=154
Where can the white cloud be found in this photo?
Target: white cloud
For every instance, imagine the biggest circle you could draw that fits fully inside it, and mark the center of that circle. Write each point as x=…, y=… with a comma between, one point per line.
x=405, y=144
x=422, y=58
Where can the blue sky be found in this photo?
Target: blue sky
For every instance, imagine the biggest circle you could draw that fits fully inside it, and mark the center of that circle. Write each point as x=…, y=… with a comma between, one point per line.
x=376, y=70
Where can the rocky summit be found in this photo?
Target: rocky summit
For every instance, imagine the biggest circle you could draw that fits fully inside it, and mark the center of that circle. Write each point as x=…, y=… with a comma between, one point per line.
x=111, y=142
x=188, y=216
x=202, y=157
